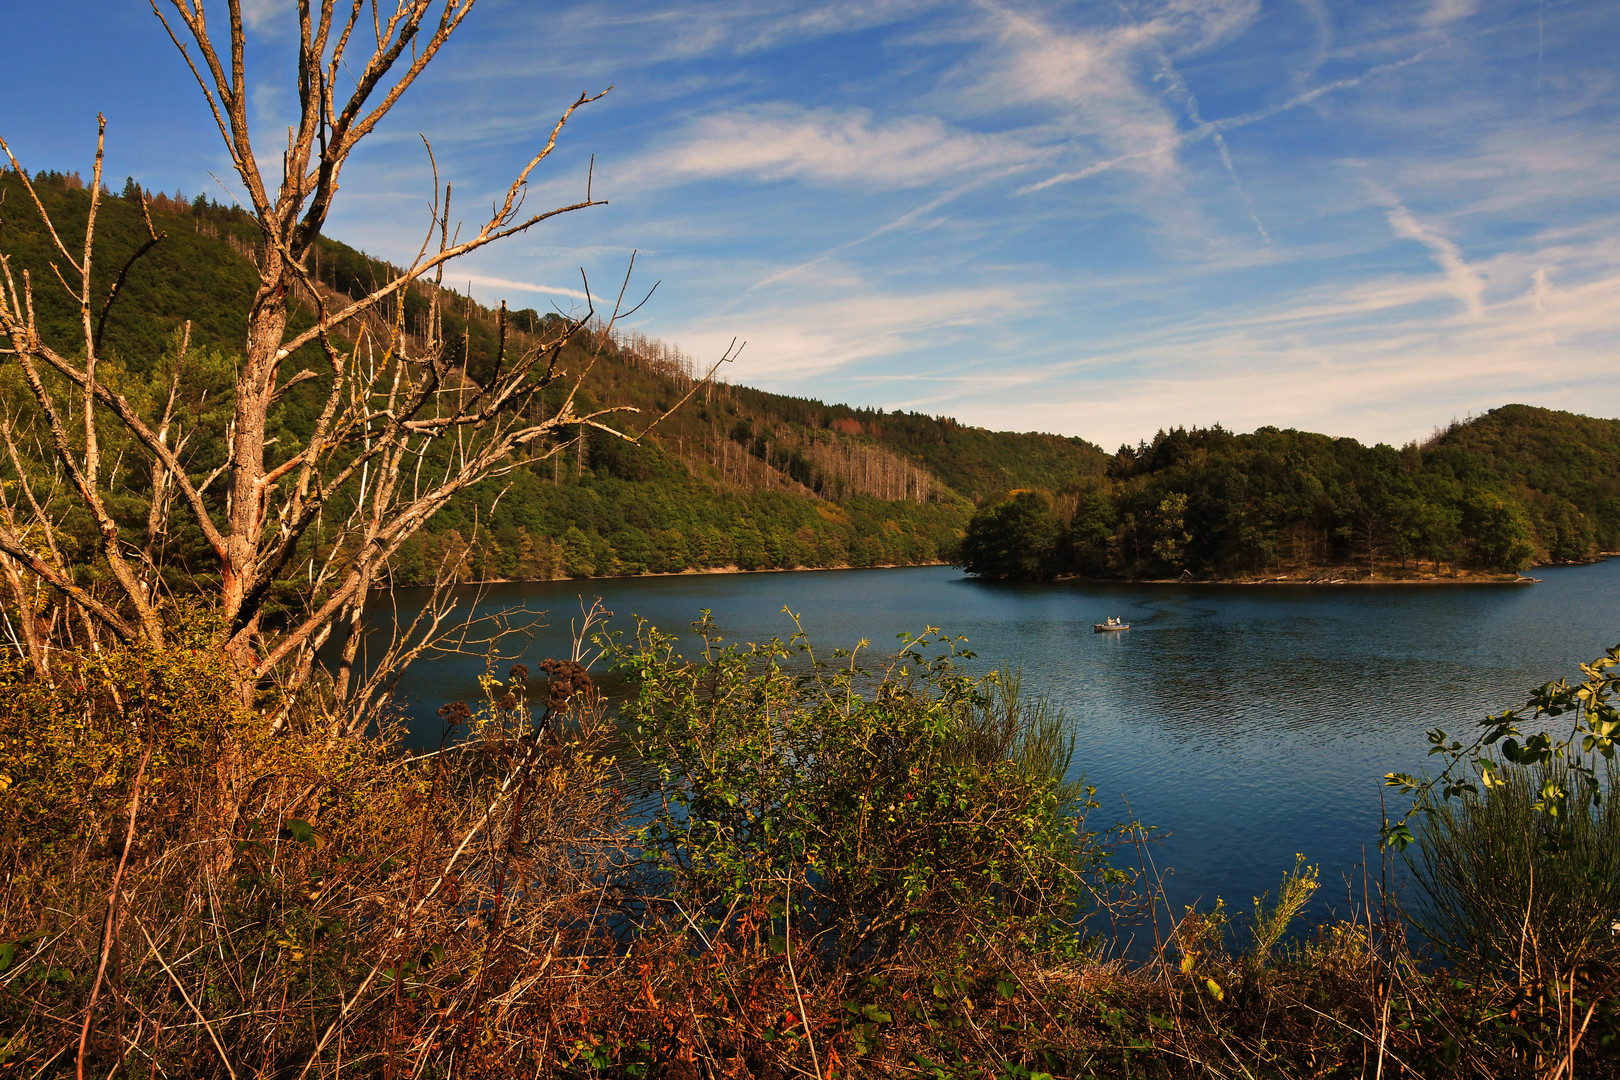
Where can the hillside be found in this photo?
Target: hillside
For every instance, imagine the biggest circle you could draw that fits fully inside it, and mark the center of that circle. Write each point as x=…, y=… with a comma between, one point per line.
x=1553, y=460
x=745, y=478
x=739, y=477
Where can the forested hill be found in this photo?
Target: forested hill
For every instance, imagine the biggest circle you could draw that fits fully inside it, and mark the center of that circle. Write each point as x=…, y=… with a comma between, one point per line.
x=739, y=477
x=1554, y=455
x=1493, y=494
x=742, y=477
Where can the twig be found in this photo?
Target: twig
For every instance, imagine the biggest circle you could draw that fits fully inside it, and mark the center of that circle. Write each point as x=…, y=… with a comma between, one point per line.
x=787, y=930
x=41, y=1070
x=1568, y=1064
x=178, y=985
x=112, y=912
x=1383, y=1035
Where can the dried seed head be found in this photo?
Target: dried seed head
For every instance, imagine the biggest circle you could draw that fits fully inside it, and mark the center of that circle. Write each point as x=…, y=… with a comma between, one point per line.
x=455, y=712
x=567, y=678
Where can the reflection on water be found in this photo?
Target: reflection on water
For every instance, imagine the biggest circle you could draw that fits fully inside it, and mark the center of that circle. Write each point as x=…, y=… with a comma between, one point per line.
x=1252, y=722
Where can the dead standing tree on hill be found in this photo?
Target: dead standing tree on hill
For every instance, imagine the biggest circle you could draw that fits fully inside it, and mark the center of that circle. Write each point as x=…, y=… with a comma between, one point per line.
x=399, y=432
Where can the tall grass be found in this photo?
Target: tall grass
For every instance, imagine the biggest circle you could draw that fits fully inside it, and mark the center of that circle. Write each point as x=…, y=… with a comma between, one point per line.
x=1515, y=892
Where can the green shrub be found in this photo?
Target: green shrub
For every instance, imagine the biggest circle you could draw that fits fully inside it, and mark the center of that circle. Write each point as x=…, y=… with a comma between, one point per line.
x=1518, y=856
x=913, y=804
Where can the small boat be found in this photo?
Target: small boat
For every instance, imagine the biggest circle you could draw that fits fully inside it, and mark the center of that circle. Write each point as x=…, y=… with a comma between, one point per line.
x=1111, y=624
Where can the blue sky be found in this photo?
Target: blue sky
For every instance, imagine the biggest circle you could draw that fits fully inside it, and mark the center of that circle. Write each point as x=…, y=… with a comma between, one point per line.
x=1098, y=219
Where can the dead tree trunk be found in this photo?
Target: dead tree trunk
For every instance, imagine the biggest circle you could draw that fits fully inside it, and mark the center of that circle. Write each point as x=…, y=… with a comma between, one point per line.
x=391, y=402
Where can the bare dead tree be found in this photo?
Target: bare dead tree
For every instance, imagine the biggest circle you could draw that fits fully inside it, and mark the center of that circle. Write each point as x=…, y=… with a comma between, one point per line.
x=401, y=431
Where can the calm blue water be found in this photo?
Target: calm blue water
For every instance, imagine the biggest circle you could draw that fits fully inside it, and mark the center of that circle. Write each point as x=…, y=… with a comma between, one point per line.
x=1249, y=722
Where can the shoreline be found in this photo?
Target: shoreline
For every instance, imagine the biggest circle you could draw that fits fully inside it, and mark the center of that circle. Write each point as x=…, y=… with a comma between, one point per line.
x=1343, y=582
x=734, y=569
x=1323, y=579
x=1320, y=576
x=1521, y=578
x=688, y=572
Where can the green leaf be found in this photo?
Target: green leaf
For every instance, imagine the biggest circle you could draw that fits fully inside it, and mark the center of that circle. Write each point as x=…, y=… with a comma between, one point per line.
x=1398, y=837
x=303, y=832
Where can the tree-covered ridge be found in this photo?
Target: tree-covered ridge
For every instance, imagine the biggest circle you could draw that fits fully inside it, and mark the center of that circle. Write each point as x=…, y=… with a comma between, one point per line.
x=739, y=477
x=747, y=478
x=1517, y=485
x=1562, y=464
x=201, y=272
x=203, y=242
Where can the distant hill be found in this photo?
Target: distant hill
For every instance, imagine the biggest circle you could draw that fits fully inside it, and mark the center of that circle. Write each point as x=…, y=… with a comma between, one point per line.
x=1492, y=495
x=1550, y=459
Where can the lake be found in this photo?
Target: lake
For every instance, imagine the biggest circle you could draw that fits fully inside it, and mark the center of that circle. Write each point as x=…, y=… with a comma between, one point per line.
x=1250, y=722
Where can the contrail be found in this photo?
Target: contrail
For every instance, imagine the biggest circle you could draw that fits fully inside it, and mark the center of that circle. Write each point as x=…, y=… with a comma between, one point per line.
x=1189, y=102
x=1231, y=171
x=1217, y=127
x=524, y=286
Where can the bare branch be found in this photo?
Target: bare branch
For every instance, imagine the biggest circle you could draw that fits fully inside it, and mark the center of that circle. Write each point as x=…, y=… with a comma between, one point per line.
x=733, y=351
x=44, y=215
x=153, y=238
x=13, y=545
x=394, y=403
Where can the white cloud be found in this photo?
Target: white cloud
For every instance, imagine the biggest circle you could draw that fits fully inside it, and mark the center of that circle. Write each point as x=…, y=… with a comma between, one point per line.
x=267, y=16
x=1445, y=11
x=1391, y=387
x=1518, y=170
x=779, y=142
x=903, y=221
x=1465, y=282
x=1173, y=140
x=1374, y=361
x=1099, y=78
x=1144, y=301
x=1091, y=76
x=792, y=342
x=1316, y=11
x=756, y=29
x=656, y=33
